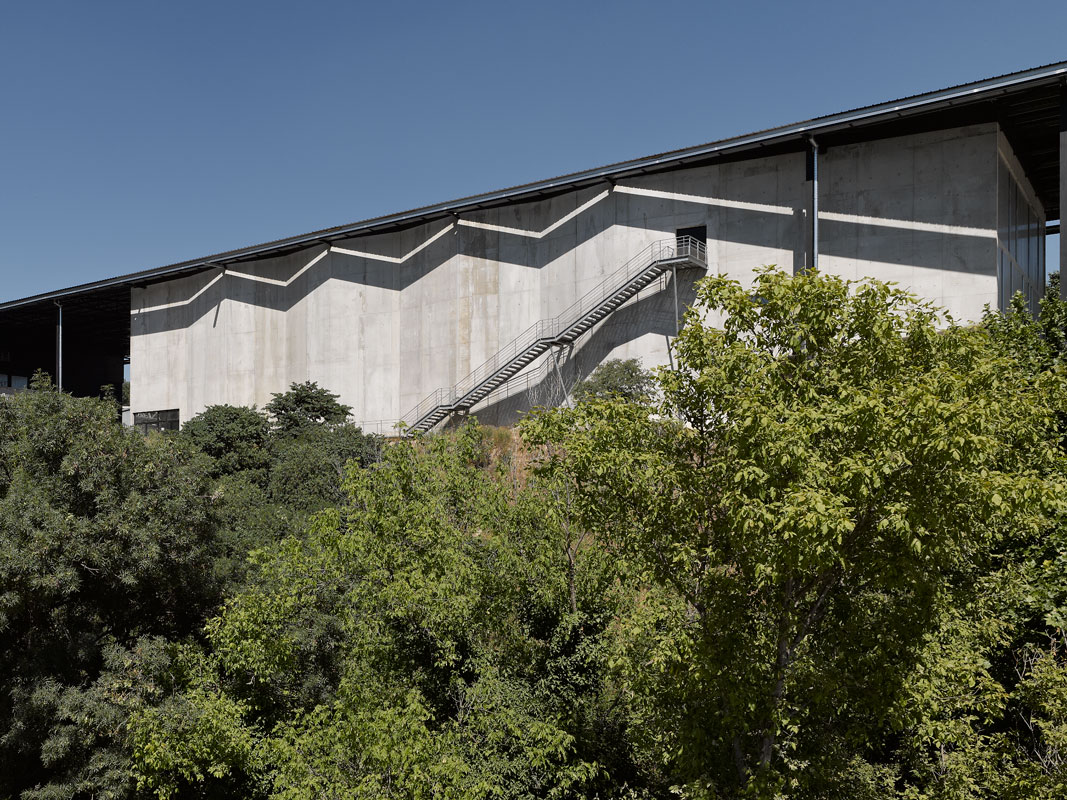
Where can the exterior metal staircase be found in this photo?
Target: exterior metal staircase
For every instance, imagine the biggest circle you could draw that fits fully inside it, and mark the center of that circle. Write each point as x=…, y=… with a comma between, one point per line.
x=659, y=257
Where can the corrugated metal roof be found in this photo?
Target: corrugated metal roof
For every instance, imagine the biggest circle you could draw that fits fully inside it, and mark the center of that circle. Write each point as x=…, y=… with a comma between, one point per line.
x=851, y=120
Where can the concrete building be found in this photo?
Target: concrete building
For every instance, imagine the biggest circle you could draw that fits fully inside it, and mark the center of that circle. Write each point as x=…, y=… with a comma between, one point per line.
x=496, y=303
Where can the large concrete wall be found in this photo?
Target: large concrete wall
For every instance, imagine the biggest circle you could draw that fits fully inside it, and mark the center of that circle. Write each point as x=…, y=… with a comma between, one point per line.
x=384, y=320
x=919, y=210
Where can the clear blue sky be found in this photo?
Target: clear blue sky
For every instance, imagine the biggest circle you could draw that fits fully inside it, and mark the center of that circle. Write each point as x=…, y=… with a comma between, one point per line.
x=137, y=134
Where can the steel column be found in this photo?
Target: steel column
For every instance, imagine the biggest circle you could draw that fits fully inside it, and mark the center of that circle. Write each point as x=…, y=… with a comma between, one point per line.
x=559, y=375
x=814, y=203
x=674, y=281
x=59, y=346
x=1063, y=184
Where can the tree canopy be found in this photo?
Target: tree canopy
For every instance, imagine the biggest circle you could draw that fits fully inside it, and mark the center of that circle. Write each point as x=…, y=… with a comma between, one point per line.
x=107, y=547
x=417, y=644
x=624, y=379
x=824, y=556
x=305, y=405
x=236, y=437
x=828, y=474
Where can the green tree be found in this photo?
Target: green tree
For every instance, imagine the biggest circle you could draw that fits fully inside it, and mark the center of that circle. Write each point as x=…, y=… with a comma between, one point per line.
x=305, y=405
x=627, y=380
x=308, y=466
x=1039, y=343
x=986, y=714
x=823, y=471
x=830, y=562
x=236, y=437
x=311, y=444
x=107, y=544
x=419, y=642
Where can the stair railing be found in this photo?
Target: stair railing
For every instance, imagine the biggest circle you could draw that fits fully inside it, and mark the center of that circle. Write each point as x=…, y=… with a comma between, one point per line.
x=543, y=333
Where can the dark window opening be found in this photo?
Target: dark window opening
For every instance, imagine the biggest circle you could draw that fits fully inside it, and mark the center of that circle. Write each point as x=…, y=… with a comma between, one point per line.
x=146, y=421
x=9, y=384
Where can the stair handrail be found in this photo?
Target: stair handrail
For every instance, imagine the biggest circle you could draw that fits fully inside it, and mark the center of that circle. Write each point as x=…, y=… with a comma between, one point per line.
x=550, y=328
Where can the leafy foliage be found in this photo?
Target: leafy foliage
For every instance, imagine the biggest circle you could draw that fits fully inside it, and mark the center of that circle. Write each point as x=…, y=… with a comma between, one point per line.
x=106, y=540
x=237, y=438
x=826, y=559
x=114, y=548
x=305, y=405
x=298, y=466
x=418, y=643
x=986, y=715
x=625, y=379
x=308, y=468
x=824, y=471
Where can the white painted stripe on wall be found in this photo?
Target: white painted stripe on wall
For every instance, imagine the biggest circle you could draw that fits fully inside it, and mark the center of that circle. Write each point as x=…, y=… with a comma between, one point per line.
x=743, y=205
x=236, y=274
x=486, y=226
x=274, y=281
x=395, y=259
x=907, y=224
x=179, y=303
x=835, y=216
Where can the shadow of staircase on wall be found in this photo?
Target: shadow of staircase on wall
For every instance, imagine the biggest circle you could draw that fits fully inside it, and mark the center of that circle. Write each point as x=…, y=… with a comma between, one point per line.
x=683, y=252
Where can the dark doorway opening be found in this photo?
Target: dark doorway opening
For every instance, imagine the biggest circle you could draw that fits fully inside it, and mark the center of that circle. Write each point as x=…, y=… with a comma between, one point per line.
x=698, y=232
